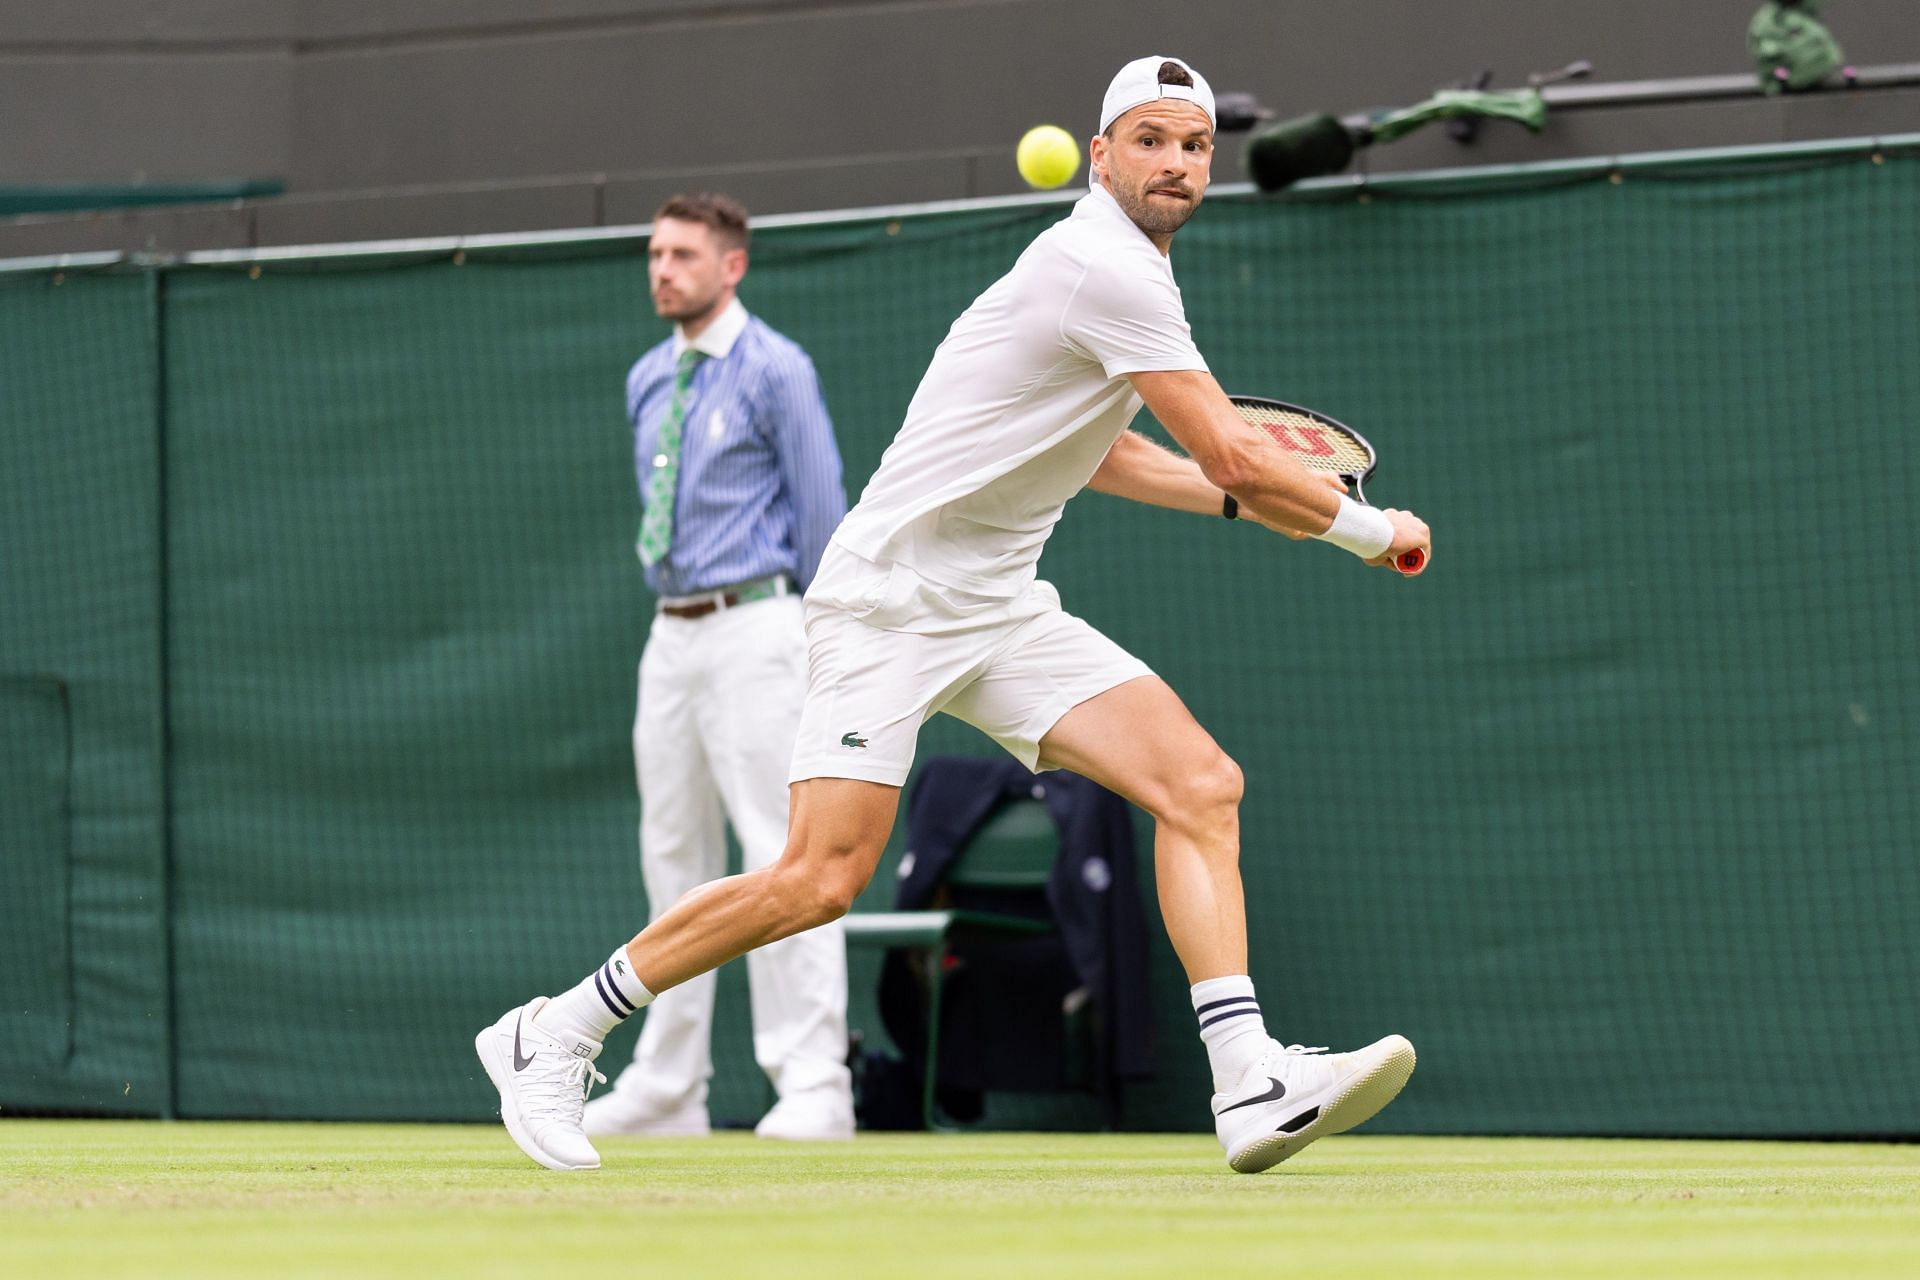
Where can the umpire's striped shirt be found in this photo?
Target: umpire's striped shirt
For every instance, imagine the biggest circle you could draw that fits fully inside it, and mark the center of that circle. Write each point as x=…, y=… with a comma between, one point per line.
x=759, y=491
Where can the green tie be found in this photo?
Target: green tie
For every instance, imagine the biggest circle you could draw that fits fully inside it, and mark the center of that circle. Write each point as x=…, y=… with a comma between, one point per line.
x=656, y=525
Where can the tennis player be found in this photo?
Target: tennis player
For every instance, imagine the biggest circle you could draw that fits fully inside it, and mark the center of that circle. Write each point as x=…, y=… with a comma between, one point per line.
x=927, y=600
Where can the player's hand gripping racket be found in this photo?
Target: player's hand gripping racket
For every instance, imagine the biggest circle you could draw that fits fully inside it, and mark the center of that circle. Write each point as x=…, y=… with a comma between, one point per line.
x=1324, y=445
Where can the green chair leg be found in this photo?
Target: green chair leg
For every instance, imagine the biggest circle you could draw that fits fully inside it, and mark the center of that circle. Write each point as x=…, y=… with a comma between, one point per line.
x=936, y=979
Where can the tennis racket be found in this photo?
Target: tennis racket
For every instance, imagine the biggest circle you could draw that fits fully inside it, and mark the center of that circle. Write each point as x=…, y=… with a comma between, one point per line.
x=1324, y=445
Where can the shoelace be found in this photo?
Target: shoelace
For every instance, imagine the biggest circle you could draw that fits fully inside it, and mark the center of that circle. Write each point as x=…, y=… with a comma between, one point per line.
x=563, y=1095
x=577, y=1079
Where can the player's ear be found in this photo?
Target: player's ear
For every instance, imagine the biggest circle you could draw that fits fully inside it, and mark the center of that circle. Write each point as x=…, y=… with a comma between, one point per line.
x=733, y=265
x=1097, y=158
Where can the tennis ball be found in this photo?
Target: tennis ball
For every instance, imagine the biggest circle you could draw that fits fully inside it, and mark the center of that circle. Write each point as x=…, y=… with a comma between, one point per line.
x=1048, y=157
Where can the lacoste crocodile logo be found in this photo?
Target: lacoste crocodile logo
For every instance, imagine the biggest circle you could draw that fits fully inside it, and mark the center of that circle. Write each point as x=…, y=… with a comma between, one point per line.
x=854, y=741
x=619, y=966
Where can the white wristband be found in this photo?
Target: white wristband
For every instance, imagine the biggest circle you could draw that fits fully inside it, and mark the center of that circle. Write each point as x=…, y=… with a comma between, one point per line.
x=1361, y=529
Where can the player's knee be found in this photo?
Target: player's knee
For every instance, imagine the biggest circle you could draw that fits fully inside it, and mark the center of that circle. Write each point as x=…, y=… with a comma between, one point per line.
x=823, y=901
x=1207, y=794
x=1227, y=784
x=818, y=890
x=834, y=901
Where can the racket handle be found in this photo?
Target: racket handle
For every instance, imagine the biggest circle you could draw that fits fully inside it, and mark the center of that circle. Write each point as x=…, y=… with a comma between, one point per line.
x=1409, y=563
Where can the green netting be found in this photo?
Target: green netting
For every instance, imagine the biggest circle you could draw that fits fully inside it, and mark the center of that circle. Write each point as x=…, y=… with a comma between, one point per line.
x=83, y=956
x=404, y=614
x=1612, y=813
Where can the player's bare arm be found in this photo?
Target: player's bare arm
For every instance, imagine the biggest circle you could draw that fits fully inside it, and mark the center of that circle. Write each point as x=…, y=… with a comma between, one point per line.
x=1233, y=457
x=1138, y=469
x=1142, y=470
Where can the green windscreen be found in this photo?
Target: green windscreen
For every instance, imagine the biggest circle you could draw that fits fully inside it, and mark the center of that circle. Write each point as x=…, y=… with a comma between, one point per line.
x=1612, y=812
x=83, y=947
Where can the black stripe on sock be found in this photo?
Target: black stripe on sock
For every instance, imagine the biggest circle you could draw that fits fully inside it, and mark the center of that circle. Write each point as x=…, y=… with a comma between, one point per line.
x=1231, y=1013
x=618, y=994
x=1221, y=1004
x=605, y=998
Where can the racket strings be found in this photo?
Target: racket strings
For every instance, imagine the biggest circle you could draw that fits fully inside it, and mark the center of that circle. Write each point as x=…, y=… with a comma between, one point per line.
x=1318, y=445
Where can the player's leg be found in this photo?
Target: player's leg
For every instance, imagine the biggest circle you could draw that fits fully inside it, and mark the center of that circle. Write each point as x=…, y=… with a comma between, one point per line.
x=869, y=689
x=1139, y=740
x=1061, y=695
x=683, y=845
x=540, y=1054
x=799, y=984
x=837, y=832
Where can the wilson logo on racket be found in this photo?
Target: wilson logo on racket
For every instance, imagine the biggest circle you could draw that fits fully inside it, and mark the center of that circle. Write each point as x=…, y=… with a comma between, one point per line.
x=1301, y=439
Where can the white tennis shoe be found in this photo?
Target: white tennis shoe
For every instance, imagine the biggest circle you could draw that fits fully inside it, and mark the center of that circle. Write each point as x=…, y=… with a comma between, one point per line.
x=615, y=1114
x=822, y=1115
x=543, y=1081
x=1294, y=1095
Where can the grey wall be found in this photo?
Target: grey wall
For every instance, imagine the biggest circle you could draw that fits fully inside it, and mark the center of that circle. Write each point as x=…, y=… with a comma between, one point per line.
x=452, y=116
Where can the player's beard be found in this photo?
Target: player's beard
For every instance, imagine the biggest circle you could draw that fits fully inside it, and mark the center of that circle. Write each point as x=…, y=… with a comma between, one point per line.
x=1155, y=217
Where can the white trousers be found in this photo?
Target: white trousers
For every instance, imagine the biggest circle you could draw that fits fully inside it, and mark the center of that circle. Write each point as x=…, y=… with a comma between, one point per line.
x=719, y=708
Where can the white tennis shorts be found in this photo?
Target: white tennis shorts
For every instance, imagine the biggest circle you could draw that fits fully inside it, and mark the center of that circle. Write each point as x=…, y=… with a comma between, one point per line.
x=886, y=649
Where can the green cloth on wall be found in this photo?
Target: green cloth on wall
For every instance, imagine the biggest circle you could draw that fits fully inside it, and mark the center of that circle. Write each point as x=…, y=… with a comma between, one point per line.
x=1608, y=812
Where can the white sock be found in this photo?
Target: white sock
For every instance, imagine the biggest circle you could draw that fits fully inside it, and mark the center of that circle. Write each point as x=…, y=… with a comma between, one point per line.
x=601, y=1002
x=1230, y=1026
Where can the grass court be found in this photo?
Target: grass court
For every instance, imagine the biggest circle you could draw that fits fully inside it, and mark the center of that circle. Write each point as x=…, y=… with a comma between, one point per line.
x=104, y=1199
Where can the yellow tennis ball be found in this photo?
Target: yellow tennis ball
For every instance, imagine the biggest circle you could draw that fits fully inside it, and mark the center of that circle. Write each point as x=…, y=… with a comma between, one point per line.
x=1048, y=157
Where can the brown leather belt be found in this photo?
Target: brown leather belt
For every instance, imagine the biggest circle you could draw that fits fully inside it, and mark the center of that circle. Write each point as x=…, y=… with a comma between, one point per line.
x=745, y=593
x=701, y=610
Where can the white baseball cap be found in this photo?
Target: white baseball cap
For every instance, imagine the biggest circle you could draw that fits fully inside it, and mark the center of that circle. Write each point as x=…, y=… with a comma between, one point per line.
x=1139, y=83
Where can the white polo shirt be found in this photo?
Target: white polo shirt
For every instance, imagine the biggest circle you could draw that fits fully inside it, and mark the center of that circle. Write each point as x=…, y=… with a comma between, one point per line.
x=1021, y=404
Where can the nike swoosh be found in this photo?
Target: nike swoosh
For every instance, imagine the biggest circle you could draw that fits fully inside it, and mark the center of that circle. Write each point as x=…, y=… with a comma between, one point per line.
x=1274, y=1094
x=521, y=1064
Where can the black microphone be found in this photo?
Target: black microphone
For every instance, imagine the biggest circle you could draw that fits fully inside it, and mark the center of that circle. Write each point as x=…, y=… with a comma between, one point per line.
x=1308, y=147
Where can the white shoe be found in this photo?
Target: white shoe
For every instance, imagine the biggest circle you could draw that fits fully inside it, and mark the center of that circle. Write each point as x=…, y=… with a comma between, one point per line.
x=619, y=1115
x=815, y=1116
x=1294, y=1095
x=543, y=1081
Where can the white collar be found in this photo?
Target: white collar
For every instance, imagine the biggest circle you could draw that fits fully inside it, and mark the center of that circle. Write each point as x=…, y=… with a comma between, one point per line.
x=1099, y=203
x=717, y=339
